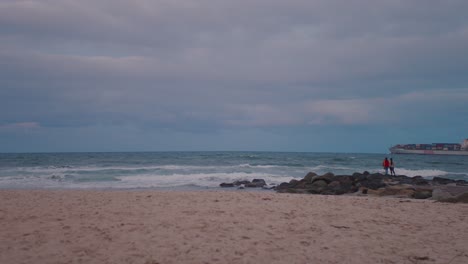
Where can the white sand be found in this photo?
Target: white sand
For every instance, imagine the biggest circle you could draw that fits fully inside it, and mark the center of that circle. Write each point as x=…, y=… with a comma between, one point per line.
x=226, y=227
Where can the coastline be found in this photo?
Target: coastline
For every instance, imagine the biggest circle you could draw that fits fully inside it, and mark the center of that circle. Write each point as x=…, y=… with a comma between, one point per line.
x=154, y=226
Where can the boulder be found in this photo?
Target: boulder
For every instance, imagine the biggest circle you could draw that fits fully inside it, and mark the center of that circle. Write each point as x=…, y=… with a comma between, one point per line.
x=450, y=193
x=442, y=181
x=327, y=177
x=363, y=190
x=320, y=183
x=399, y=191
x=422, y=193
x=418, y=180
x=238, y=183
x=463, y=198
x=256, y=183
x=342, y=185
x=308, y=178
x=261, y=181
x=318, y=186
x=301, y=184
x=293, y=183
x=372, y=183
x=337, y=187
x=282, y=186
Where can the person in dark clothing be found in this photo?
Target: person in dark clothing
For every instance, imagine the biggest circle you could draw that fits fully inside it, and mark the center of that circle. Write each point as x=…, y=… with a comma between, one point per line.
x=392, y=167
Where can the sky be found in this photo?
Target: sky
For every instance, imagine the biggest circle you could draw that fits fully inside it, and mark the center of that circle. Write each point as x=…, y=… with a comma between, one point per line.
x=238, y=75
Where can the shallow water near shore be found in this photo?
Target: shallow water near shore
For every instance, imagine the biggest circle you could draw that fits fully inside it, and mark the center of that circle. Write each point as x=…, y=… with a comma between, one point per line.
x=201, y=170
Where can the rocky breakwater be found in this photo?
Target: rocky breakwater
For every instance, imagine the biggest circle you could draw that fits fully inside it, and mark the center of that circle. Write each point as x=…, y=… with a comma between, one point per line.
x=377, y=184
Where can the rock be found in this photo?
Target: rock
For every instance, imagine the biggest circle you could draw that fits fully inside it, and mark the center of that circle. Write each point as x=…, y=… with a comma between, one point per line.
x=443, y=181
x=245, y=183
x=335, y=187
x=461, y=198
x=450, y=193
x=372, y=183
x=318, y=186
x=346, y=179
x=282, y=186
x=320, y=183
x=461, y=183
x=292, y=190
x=418, y=180
x=256, y=183
x=342, y=185
x=238, y=183
x=400, y=191
x=327, y=177
x=308, y=178
x=293, y=183
x=422, y=194
x=357, y=177
x=259, y=181
x=334, y=184
x=301, y=184
x=376, y=183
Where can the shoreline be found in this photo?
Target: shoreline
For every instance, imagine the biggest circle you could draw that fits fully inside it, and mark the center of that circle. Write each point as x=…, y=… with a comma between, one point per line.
x=151, y=226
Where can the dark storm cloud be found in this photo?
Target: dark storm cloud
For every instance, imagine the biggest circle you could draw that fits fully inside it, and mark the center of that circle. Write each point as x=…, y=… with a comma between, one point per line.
x=215, y=64
x=302, y=41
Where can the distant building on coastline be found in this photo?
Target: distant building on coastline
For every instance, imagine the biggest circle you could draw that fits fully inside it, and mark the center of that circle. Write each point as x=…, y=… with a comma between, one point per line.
x=432, y=149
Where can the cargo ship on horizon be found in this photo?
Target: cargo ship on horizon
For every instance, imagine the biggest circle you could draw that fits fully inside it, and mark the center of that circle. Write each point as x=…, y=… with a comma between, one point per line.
x=432, y=149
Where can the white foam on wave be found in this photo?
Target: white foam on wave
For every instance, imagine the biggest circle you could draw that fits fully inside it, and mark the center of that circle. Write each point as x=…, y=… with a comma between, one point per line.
x=331, y=168
x=76, y=170
x=247, y=165
x=424, y=173
x=197, y=179
x=31, y=182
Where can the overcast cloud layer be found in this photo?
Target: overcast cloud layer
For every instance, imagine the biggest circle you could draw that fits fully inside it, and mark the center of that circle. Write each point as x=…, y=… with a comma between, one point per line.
x=328, y=75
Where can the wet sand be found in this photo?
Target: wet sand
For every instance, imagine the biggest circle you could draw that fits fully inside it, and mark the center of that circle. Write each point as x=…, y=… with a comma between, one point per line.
x=71, y=226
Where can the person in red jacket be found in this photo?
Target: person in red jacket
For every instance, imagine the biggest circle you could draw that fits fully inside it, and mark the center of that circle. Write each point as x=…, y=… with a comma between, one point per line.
x=386, y=165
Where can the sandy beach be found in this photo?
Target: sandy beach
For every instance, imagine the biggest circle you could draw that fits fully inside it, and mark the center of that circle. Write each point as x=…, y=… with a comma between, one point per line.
x=71, y=226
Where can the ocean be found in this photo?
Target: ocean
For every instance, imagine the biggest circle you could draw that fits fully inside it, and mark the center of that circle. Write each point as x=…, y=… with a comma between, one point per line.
x=201, y=170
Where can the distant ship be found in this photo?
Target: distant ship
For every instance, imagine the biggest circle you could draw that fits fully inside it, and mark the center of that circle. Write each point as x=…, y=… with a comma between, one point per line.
x=432, y=149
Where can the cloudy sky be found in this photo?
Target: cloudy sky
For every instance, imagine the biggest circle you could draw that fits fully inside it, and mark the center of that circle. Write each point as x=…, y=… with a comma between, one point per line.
x=298, y=75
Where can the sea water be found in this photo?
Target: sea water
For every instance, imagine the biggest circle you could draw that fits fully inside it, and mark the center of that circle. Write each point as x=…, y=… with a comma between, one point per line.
x=202, y=170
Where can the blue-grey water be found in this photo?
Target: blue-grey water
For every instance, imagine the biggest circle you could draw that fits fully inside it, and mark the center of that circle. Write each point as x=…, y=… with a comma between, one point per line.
x=202, y=170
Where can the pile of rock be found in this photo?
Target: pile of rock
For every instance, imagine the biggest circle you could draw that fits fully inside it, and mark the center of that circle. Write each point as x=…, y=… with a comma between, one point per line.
x=255, y=183
x=440, y=189
x=380, y=185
